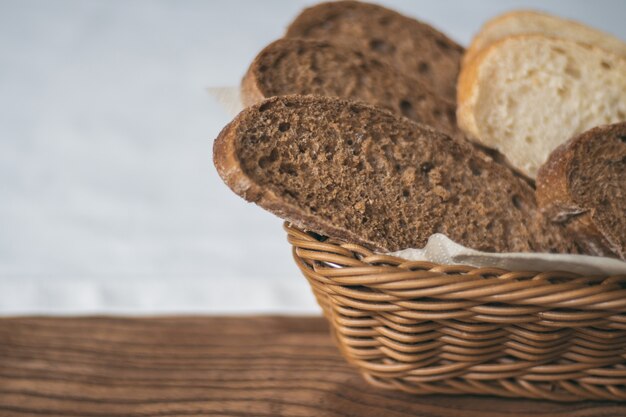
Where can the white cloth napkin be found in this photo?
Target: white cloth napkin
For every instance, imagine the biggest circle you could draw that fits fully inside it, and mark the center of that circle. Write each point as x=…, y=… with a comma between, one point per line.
x=442, y=250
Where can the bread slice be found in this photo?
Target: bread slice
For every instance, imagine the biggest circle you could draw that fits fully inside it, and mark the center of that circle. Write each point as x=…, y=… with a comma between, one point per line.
x=413, y=47
x=351, y=171
x=302, y=66
x=525, y=95
x=583, y=185
x=527, y=22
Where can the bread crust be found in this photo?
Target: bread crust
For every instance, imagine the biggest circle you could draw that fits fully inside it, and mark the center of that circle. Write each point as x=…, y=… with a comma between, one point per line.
x=250, y=89
x=481, y=39
x=478, y=41
x=467, y=92
x=553, y=191
x=556, y=199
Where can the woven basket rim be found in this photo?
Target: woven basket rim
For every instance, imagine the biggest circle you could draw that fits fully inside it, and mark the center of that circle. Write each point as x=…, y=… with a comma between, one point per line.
x=358, y=248
x=545, y=289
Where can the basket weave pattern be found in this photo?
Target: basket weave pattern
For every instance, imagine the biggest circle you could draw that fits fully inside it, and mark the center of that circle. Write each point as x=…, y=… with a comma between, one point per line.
x=426, y=328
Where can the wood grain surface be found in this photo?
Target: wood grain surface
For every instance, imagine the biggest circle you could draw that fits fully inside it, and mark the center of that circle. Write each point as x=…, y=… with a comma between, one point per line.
x=211, y=366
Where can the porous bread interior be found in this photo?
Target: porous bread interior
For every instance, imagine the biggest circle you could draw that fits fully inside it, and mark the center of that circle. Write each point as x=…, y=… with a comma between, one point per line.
x=385, y=179
x=533, y=93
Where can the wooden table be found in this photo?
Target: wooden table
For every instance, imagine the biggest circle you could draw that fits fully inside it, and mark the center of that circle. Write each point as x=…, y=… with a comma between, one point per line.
x=217, y=366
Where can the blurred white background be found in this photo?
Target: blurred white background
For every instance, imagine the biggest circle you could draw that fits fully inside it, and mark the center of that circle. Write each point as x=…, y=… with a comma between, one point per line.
x=109, y=202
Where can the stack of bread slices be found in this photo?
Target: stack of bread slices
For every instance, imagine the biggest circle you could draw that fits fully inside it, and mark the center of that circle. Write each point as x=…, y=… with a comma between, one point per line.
x=369, y=126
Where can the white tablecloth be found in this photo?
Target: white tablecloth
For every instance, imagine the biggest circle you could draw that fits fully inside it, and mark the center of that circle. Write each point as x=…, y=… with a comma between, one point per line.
x=109, y=202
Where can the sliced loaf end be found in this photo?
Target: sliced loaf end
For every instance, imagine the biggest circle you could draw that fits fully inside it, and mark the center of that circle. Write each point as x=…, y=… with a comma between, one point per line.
x=583, y=186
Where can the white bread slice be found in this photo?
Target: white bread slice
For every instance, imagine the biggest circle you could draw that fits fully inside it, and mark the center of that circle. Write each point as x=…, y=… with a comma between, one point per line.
x=527, y=22
x=525, y=95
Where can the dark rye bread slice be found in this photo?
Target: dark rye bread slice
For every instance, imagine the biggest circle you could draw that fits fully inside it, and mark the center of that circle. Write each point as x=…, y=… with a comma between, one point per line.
x=302, y=66
x=357, y=172
x=413, y=47
x=583, y=185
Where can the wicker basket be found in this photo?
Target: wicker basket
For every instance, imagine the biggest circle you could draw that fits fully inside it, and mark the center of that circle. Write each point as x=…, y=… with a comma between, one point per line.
x=426, y=328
